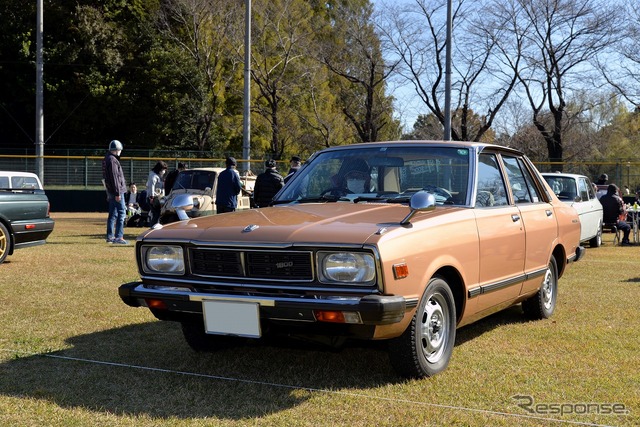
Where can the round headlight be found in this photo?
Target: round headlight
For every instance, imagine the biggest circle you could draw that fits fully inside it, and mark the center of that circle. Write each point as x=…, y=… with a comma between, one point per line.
x=347, y=267
x=165, y=259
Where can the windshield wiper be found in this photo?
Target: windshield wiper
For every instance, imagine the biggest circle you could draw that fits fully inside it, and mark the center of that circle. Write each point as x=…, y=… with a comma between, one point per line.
x=323, y=198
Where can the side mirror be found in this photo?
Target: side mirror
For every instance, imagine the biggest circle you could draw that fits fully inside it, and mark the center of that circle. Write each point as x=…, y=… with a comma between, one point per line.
x=422, y=201
x=181, y=204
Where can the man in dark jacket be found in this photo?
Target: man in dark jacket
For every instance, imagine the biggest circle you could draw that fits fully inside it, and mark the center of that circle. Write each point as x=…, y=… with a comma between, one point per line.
x=612, y=208
x=228, y=188
x=116, y=186
x=268, y=183
x=170, y=179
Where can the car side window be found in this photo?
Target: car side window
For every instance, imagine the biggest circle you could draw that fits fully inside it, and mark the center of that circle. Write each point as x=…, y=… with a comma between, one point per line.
x=583, y=189
x=522, y=184
x=491, y=190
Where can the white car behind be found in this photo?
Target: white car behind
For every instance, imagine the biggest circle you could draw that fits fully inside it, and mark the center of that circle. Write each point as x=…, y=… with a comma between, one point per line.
x=578, y=192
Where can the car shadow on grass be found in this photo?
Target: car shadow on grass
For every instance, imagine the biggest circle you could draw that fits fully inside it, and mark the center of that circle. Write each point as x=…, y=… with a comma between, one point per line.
x=147, y=369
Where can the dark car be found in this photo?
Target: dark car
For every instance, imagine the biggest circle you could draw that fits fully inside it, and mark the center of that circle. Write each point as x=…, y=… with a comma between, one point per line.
x=24, y=212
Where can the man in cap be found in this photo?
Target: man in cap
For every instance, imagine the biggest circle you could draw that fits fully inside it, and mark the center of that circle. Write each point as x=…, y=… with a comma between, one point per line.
x=268, y=183
x=603, y=179
x=294, y=165
x=116, y=186
x=229, y=187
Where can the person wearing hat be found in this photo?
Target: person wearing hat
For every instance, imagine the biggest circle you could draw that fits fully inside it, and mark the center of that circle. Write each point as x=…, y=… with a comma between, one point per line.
x=268, y=183
x=294, y=164
x=116, y=186
x=228, y=188
x=603, y=179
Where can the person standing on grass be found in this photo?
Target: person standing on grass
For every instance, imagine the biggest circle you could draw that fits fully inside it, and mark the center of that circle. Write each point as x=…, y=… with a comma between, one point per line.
x=116, y=186
x=267, y=185
x=155, y=191
x=171, y=178
x=228, y=188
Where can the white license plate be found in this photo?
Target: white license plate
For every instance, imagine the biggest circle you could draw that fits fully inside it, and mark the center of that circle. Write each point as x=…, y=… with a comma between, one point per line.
x=232, y=318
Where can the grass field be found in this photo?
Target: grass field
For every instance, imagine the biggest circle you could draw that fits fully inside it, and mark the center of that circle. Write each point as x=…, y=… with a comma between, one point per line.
x=72, y=354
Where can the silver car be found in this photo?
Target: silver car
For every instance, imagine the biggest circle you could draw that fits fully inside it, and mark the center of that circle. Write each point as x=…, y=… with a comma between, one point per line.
x=578, y=192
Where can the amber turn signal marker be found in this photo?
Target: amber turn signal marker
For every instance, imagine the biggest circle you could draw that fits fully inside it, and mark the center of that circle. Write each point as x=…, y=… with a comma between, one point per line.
x=156, y=303
x=400, y=271
x=329, y=316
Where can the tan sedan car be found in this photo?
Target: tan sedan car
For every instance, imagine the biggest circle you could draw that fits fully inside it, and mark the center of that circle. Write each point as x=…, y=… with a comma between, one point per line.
x=399, y=241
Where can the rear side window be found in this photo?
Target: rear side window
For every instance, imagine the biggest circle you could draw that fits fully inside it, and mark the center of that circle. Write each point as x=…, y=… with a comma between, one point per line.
x=21, y=182
x=491, y=189
x=522, y=184
x=4, y=182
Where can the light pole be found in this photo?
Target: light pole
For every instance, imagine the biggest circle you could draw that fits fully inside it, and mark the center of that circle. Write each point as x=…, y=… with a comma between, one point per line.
x=447, y=79
x=246, y=113
x=39, y=94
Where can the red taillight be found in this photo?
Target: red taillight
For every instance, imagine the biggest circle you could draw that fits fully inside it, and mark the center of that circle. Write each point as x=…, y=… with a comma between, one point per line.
x=329, y=316
x=156, y=303
x=30, y=227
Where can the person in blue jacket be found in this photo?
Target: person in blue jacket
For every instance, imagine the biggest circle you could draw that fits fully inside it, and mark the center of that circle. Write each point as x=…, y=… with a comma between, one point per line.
x=228, y=188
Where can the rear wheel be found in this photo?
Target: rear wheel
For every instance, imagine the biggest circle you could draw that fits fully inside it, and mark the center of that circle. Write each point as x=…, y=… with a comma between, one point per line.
x=5, y=241
x=425, y=348
x=543, y=303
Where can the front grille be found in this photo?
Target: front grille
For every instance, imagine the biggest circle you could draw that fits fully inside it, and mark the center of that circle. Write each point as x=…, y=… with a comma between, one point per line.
x=256, y=264
x=216, y=263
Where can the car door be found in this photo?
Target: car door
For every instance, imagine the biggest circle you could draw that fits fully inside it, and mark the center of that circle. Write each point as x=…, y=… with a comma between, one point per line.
x=589, y=209
x=538, y=218
x=501, y=238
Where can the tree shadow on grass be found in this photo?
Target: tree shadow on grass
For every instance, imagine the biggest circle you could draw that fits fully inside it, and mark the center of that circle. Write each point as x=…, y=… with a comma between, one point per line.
x=148, y=369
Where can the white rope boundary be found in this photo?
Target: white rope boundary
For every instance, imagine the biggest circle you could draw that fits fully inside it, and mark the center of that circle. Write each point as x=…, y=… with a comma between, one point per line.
x=309, y=389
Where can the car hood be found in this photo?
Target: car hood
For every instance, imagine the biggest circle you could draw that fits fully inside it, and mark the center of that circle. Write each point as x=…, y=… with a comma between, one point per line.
x=348, y=223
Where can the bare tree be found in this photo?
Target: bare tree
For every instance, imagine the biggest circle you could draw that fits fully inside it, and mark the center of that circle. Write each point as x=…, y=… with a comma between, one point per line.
x=561, y=39
x=621, y=67
x=483, y=71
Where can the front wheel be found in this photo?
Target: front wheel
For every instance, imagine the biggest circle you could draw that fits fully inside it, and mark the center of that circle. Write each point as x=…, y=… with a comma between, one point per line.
x=4, y=242
x=543, y=303
x=425, y=348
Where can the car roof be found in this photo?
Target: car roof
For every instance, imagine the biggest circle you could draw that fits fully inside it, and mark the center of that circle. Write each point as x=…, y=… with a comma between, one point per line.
x=20, y=174
x=475, y=146
x=564, y=175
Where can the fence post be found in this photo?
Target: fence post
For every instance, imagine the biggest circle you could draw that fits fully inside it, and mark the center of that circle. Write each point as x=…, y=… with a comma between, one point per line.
x=86, y=171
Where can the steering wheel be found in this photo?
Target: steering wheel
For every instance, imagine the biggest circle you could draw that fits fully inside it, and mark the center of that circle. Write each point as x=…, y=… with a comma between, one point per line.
x=336, y=191
x=443, y=192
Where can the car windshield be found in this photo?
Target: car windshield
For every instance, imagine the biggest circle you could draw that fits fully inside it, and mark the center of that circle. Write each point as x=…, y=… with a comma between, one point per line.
x=195, y=180
x=389, y=174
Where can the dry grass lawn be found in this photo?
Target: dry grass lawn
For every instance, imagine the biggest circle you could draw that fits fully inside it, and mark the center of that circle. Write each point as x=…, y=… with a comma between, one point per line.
x=72, y=354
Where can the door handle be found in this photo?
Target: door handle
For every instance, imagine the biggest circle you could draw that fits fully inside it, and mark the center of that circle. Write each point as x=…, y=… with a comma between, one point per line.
x=515, y=217
x=549, y=213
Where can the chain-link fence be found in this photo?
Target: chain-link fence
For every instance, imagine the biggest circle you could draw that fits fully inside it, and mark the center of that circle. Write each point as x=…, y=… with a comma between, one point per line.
x=85, y=170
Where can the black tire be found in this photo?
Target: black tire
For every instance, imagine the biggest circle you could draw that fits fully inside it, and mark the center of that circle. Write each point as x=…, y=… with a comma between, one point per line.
x=200, y=341
x=425, y=348
x=543, y=303
x=596, y=241
x=5, y=242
